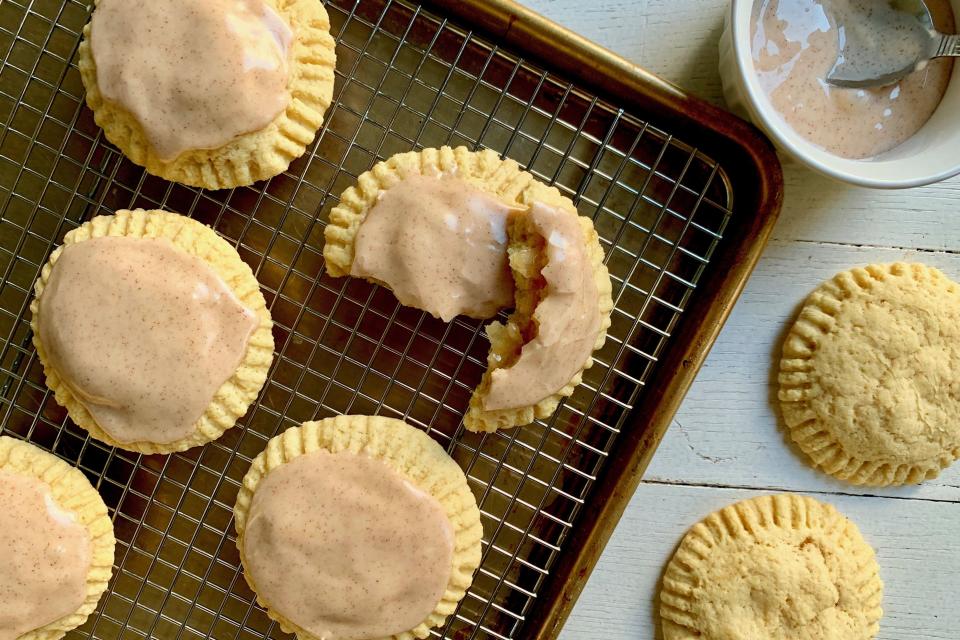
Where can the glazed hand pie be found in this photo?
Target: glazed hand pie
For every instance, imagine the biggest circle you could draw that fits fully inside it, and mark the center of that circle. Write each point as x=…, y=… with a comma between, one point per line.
x=152, y=331
x=454, y=232
x=431, y=227
x=213, y=94
x=57, y=543
x=357, y=527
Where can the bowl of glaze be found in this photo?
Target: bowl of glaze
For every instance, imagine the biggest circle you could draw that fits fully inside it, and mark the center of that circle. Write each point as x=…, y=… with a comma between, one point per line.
x=930, y=155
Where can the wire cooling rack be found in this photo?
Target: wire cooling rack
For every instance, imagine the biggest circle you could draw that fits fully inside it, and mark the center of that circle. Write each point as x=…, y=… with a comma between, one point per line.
x=407, y=79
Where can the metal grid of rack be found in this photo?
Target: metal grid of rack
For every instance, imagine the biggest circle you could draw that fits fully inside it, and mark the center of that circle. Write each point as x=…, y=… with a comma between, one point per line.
x=407, y=79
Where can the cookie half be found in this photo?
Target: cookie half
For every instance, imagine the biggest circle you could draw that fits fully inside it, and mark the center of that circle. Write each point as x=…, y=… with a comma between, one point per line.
x=525, y=334
x=777, y=568
x=357, y=526
x=47, y=504
x=870, y=375
x=132, y=264
x=243, y=158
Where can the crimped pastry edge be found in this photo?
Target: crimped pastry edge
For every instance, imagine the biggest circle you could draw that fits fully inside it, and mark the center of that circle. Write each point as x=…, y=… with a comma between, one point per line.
x=754, y=517
x=234, y=396
x=71, y=491
x=805, y=428
x=482, y=169
x=500, y=177
x=408, y=451
x=253, y=156
x=479, y=419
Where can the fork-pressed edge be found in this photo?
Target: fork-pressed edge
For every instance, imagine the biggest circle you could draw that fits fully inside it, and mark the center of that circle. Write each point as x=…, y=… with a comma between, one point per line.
x=949, y=46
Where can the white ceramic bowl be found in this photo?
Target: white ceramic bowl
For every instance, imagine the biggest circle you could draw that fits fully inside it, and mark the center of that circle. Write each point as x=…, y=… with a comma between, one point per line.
x=931, y=155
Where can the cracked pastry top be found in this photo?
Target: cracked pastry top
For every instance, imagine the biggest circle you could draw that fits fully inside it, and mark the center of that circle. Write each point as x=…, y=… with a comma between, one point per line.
x=870, y=375
x=776, y=567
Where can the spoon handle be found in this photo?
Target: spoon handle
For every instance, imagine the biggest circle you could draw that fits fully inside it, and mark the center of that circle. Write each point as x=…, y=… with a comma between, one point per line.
x=949, y=46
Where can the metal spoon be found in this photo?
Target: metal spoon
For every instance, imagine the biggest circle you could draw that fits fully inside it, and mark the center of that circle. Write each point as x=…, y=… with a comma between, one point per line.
x=896, y=39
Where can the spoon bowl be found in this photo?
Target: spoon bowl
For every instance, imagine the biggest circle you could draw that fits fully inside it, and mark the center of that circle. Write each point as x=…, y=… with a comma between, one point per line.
x=884, y=44
x=929, y=156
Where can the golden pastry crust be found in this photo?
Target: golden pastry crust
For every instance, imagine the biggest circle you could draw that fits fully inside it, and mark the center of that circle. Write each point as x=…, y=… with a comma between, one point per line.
x=408, y=451
x=72, y=492
x=251, y=157
x=527, y=259
x=870, y=375
x=776, y=567
x=482, y=169
x=505, y=180
x=236, y=394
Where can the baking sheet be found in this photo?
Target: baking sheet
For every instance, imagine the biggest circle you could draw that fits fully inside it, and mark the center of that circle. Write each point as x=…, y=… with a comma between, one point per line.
x=407, y=78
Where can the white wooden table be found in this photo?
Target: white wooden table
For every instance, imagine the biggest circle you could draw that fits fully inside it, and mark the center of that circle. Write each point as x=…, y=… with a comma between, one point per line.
x=726, y=443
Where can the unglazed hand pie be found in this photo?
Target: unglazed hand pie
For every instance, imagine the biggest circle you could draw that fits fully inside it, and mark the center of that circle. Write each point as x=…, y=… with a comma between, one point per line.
x=214, y=94
x=454, y=232
x=57, y=544
x=152, y=331
x=358, y=528
x=780, y=567
x=870, y=375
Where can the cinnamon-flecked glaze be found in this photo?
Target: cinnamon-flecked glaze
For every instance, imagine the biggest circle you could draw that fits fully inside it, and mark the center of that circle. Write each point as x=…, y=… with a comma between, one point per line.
x=44, y=557
x=567, y=318
x=195, y=75
x=142, y=333
x=346, y=548
x=795, y=44
x=440, y=244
